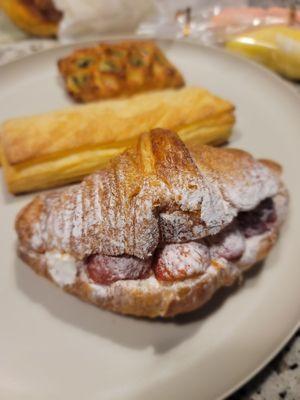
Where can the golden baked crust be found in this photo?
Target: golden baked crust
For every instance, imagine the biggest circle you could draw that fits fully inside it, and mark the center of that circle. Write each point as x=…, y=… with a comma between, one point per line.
x=120, y=211
x=36, y=17
x=117, y=70
x=63, y=146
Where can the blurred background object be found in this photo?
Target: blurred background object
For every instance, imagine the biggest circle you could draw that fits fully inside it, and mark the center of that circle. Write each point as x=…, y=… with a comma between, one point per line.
x=89, y=18
x=265, y=31
x=35, y=17
x=277, y=47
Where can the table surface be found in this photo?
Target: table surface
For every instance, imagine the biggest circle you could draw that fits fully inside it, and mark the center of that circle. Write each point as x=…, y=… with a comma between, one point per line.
x=280, y=379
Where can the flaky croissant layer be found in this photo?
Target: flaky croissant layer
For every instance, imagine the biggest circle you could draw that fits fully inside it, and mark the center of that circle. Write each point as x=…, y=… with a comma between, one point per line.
x=157, y=195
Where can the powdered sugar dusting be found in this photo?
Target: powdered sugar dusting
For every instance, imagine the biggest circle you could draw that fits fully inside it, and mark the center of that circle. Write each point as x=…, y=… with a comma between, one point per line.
x=108, y=269
x=181, y=261
x=216, y=211
x=250, y=254
x=207, y=269
x=180, y=226
x=257, y=183
x=210, y=281
x=119, y=211
x=77, y=225
x=37, y=237
x=62, y=268
x=228, y=244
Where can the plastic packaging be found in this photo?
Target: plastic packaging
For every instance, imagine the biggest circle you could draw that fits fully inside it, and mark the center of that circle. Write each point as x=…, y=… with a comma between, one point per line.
x=277, y=47
x=270, y=34
x=193, y=18
x=213, y=21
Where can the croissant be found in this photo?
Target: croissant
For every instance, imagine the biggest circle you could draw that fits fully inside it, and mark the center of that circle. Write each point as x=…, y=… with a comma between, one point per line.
x=160, y=229
x=60, y=147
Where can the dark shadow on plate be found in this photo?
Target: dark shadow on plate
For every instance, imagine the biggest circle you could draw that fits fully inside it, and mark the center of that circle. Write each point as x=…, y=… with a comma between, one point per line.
x=218, y=299
x=137, y=333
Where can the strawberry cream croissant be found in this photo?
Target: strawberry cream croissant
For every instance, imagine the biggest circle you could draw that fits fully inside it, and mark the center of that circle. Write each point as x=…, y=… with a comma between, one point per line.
x=159, y=230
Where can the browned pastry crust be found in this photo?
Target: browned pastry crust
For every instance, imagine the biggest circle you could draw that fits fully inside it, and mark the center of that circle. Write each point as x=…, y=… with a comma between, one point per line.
x=43, y=9
x=117, y=70
x=122, y=211
x=36, y=17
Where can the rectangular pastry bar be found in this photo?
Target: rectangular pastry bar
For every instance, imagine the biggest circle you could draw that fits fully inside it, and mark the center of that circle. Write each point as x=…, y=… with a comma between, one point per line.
x=117, y=70
x=60, y=147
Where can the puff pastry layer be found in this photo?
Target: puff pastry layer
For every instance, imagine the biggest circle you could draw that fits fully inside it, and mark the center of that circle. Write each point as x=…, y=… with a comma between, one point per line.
x=63, y=146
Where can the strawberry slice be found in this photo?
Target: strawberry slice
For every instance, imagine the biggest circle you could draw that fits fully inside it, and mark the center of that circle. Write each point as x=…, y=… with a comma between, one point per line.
x=181, y=261
x=228, y=244
x=107, y=269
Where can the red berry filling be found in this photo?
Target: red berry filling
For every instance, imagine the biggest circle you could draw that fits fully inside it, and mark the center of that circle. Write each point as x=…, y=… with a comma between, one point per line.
x=179, y=261
x=106, y=269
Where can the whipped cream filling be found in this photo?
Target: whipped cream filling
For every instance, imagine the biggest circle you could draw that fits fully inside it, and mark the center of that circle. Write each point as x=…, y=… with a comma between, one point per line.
x=61, y=267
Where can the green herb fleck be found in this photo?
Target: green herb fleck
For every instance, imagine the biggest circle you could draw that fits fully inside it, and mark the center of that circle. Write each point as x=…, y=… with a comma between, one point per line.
x=84, y=62
x=79, y=80
x=136, y=61
x=108, y=66
x=118, y=53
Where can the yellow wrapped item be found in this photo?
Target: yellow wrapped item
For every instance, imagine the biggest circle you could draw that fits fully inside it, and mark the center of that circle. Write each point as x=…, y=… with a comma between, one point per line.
x=277, y=47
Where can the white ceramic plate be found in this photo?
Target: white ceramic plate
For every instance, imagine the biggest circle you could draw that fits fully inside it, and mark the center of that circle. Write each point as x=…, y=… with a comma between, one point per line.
x=53, y=346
